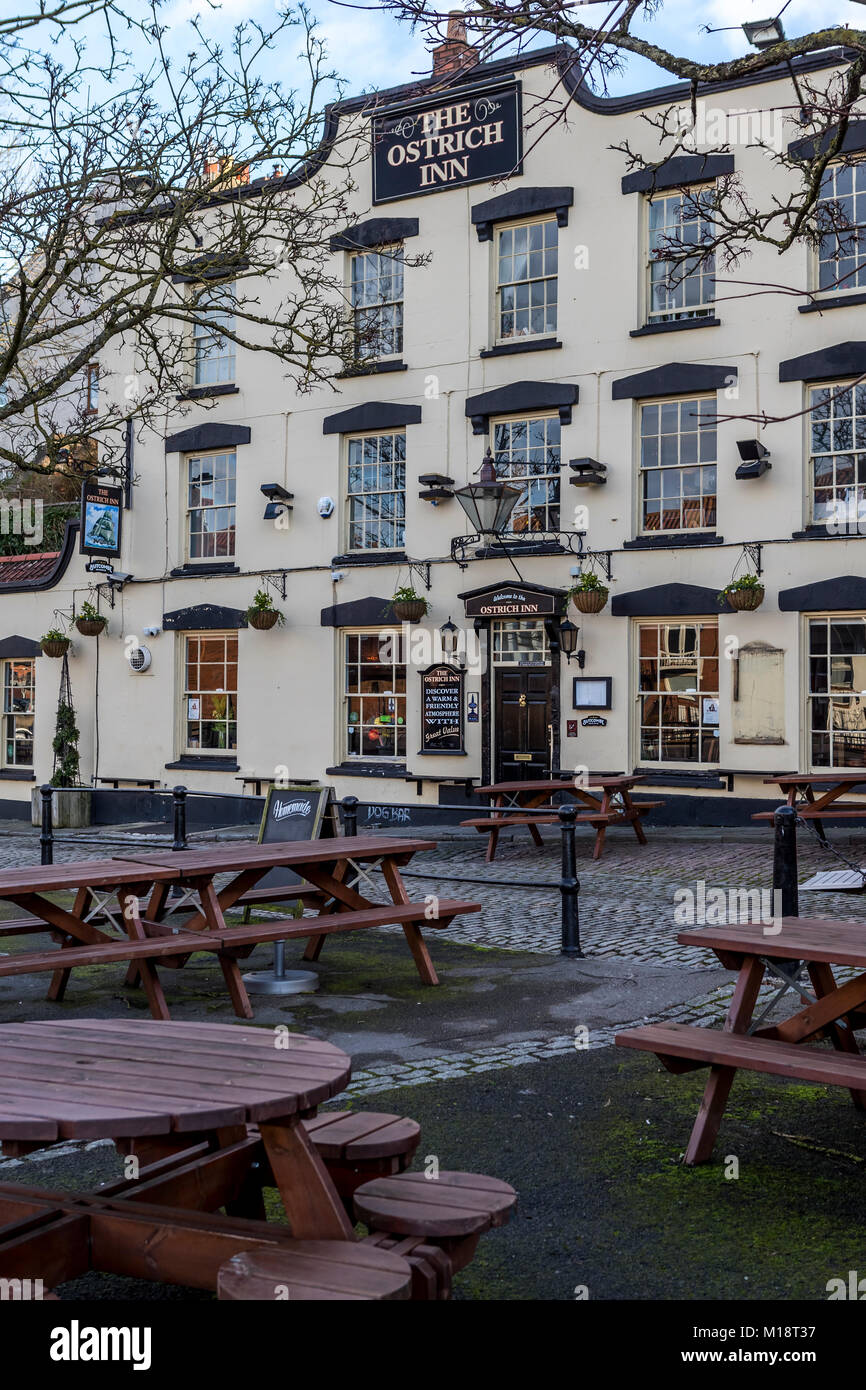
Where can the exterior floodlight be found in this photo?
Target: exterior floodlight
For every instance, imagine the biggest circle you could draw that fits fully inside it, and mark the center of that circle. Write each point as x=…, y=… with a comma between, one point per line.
x=764, y=33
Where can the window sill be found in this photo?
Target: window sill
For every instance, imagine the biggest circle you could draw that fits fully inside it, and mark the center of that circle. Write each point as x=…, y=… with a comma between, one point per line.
x=374, y=557
x=675, y=539
x=494, y=552
x=362, y=769
x=653, y=778
x=836, y=301
x=373, y=369
x=198, y=393
x=531, y=345
x=205, y=762
x=17, y=774
x=820, y=533
x=205, y=567
x=674, y=325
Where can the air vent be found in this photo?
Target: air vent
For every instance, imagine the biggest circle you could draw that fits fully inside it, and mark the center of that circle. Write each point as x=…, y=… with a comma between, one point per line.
x=139, y=658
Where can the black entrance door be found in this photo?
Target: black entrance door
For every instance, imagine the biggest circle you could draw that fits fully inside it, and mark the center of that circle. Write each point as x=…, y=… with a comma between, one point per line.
x=522, y=722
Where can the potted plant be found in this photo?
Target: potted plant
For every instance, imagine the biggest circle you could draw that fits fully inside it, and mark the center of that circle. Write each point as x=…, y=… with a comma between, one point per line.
x=589, y=595
x=54, y=642
x=262, y=614
x=90, y=622
x=408, y=606
x=70, y=801
x=744, y=594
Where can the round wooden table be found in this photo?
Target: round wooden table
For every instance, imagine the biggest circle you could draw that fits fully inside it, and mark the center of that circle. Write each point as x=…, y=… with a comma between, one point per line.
x=180, y=1098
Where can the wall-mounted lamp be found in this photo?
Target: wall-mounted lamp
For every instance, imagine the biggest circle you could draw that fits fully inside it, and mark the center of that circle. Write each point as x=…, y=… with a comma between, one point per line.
x=587, y=472
x=764, y=33
x=569, y=636
x=488, y=503
x=755, y=456
x=437, y=488
x=448, y=633
x=278, y=498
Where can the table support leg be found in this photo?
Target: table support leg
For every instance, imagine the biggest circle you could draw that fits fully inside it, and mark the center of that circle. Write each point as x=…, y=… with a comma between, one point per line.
x=146, y=969
x=312, y=1204
x=842, y=1039
x=412, y=932
x=718, y=1088
x=60, y=978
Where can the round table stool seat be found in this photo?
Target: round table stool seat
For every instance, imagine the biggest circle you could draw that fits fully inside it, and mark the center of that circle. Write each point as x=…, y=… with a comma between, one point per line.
x=314, y=1270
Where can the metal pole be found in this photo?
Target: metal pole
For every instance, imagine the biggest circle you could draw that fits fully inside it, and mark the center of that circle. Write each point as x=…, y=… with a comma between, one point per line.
x=46, y=837
x=569, y=886
x=349, y=815
x=785, y=860
x=179, y=795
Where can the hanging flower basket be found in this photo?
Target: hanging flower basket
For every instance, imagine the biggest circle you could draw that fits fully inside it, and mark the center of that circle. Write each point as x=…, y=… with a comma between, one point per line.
x=410, y=610
x=745, y=600
x=263, y=618
x=91, y=627
x=55, y=646
x=589, y=600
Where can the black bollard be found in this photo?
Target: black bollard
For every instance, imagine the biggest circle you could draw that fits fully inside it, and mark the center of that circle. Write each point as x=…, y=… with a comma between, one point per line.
x=46, y=837
x=569, y=886
x=179, y=797
x=349, y=815
x=785, y=861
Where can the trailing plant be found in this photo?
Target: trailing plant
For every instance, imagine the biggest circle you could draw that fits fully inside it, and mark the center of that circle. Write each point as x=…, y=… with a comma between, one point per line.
x=587, y=581
x=53, y=634
x=746, y=581
x=262, y=613
x=409, y=595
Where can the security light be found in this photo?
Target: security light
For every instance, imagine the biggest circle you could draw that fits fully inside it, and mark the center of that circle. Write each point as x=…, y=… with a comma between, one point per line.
x=755, y=456
x=764, y=33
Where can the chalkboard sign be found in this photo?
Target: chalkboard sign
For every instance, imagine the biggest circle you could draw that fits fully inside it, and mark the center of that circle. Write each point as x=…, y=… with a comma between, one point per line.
x=295, y=813
x=441, y=709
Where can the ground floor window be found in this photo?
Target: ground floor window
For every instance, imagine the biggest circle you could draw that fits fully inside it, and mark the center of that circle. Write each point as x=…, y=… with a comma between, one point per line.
x=210, y=694
x=517, y=643
x=678, y=692
x=18, y=710
x=375, y=695
x=836, y=717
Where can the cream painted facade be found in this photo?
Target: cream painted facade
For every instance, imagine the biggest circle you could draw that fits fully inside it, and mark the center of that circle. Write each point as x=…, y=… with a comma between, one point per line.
x=292, y=711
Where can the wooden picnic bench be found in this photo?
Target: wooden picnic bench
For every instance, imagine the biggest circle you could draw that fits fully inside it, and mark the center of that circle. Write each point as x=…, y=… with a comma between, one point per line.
x=799, y=791
x=147, y=930
x=215, y=1111
x=831, y=1011
x=527, y=803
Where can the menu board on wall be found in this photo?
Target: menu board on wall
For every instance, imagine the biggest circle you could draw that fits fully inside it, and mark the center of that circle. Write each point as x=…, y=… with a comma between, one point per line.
x=442, y=709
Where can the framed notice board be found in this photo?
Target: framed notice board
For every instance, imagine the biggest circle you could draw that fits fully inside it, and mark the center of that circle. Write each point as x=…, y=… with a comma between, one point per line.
x=442, y=709
x=295, y=813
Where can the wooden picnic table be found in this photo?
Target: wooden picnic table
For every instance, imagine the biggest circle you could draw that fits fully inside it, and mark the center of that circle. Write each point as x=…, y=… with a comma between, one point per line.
x=799, y=789
x=145, y=934
x=607, y=797
x=830, y=1011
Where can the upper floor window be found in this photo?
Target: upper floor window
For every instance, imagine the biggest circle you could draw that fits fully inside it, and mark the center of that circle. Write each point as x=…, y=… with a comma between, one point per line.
x=210, y=691
x=376, y=500
x=375, y=695
x=213, y=351
x=678, y=464
x=18, y=711
x=211, y=506
x=680, y=288
x=841, y=219
x=527, y=455
x=837, y=462
x=377, y=302
x=91, y=399
x=526, y=280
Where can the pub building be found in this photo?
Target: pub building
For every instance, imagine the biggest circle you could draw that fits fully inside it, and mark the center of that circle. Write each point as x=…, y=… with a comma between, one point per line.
x=535, y=401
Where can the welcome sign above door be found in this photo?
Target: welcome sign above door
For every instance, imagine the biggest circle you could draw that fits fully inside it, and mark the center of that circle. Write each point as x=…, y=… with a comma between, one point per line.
x=447, y=142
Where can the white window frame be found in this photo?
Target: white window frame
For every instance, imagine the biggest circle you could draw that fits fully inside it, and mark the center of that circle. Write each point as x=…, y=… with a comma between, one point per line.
x=850, y=516
x=524, y=480
x=857, y=232
x=356, y=443
x=198, y=749
x=660, y=402
x=546, y=277
x=674, y=313
x=808, y=696
x=689, y=763
x=387, y=640
x=367, y=351
x=230, y=506
x=14, y=715
x=214, y=356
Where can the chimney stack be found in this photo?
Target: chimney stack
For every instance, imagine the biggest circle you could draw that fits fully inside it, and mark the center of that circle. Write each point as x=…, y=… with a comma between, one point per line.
x=456, y=54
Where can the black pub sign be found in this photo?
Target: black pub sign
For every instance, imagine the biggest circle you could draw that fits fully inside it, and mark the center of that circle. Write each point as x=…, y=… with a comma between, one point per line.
x=512, y=602
x=442, y=709
x=454, y=139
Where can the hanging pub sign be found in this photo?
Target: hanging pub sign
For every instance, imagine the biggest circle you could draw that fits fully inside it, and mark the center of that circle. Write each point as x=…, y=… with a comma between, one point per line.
x=447, y=142
x=441, y=709
x=512, y=602
x=101, y=508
